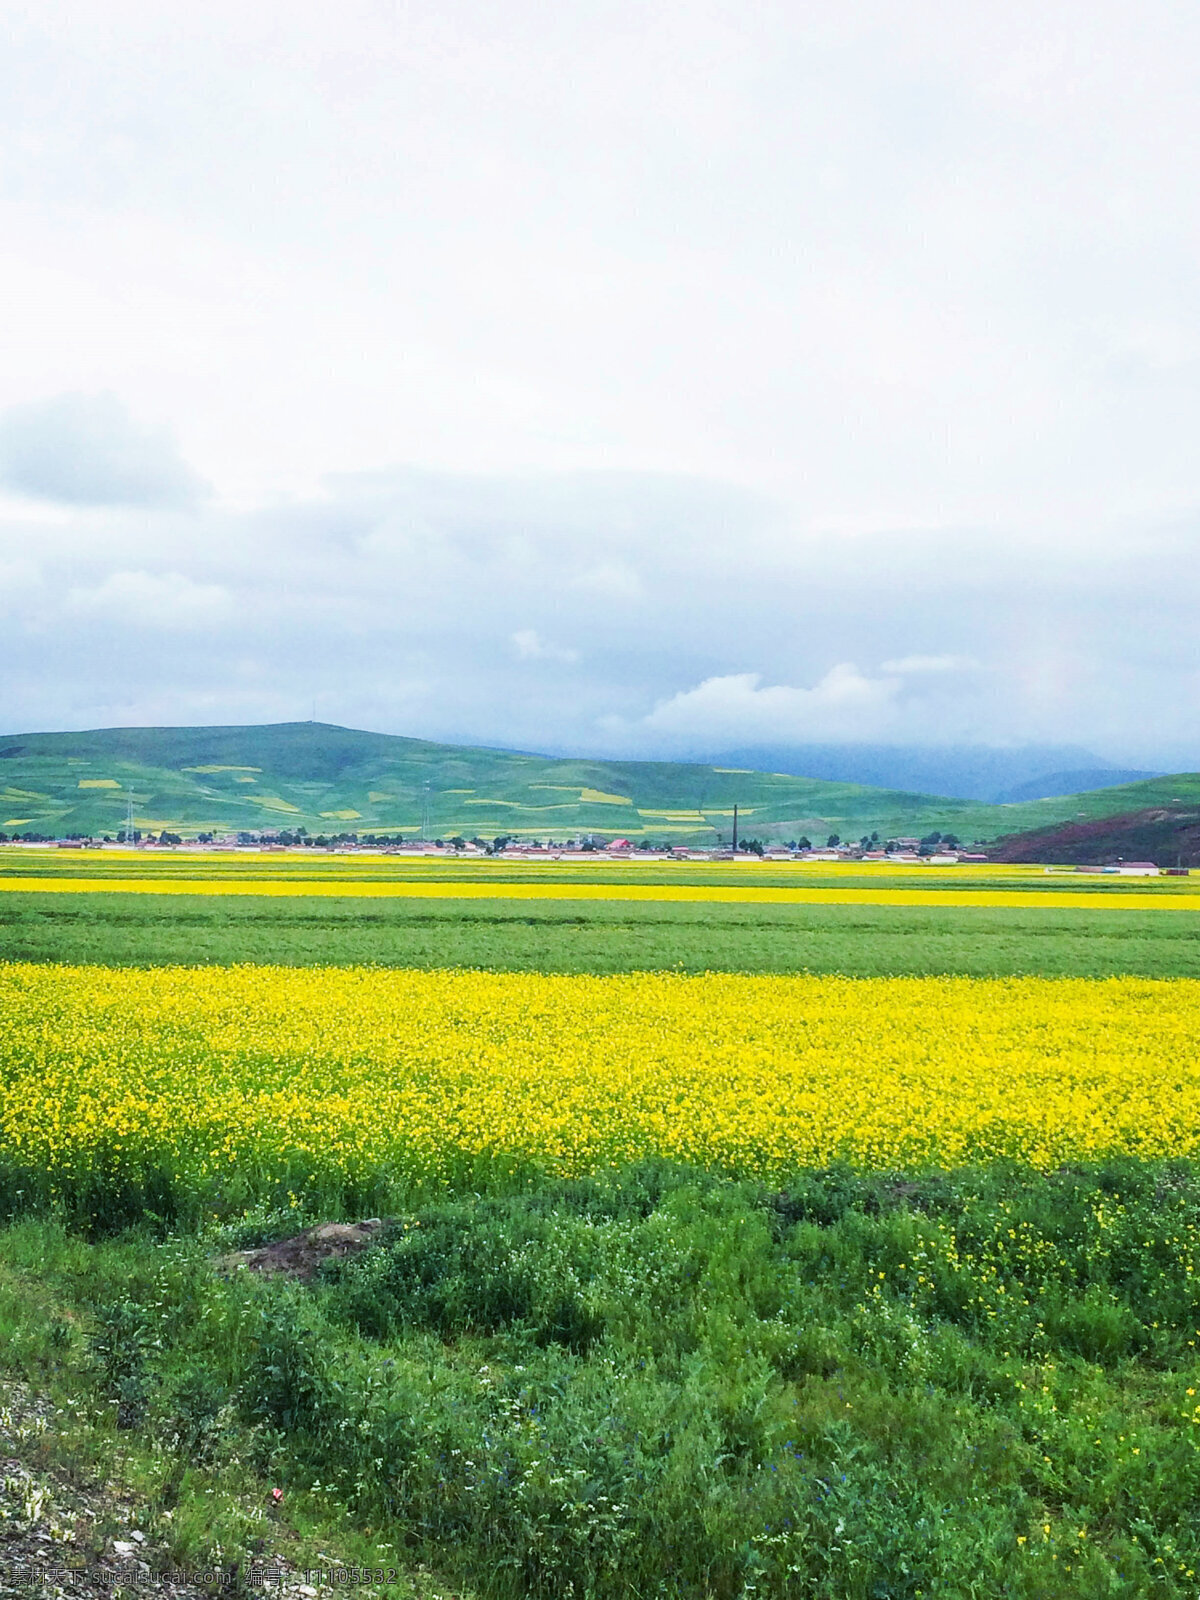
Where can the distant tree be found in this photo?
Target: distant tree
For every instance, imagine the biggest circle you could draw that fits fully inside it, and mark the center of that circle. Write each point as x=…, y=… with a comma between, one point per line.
x=865, y=842
x=458, y=841
x=752, y=847
x=803, y=843
x=950, y=839
x=833, y=841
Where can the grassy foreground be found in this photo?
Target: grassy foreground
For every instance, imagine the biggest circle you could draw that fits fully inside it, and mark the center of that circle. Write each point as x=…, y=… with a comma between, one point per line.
x=610, y=936
x=663, y=1384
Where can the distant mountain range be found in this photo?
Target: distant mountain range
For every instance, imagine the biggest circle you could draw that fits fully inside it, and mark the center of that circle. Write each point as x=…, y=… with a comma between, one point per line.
x=329, y=780
x=961, y=772
x=1059, y=783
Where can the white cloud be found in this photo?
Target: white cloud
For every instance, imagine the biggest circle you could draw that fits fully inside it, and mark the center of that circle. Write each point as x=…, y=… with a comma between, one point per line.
x=844, y=704
x=714, y=344
x=157, y=601
x=87, y=450
x=529, y=647
x=513, y=245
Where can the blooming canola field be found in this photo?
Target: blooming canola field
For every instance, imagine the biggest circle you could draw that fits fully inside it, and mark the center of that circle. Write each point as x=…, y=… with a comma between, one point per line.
x=228, y=1084
x=884, y=893
x=315, y=876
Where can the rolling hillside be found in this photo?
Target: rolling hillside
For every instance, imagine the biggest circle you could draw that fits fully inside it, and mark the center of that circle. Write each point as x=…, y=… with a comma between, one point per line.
x=329, y=780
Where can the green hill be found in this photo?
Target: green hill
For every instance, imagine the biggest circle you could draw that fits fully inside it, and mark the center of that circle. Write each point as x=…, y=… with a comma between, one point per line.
x=330, y=780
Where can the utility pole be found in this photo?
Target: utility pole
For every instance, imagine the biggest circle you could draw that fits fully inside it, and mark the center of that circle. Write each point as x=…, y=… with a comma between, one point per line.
x=735, y=828
x=129, y=819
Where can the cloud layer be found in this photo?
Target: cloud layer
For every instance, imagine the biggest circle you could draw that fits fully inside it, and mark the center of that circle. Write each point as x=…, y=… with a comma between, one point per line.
x=604, y=376
x=607, y=613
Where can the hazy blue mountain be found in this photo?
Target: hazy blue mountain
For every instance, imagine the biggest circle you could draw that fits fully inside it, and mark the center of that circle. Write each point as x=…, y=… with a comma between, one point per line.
x=1057, y=783
x=963, y=772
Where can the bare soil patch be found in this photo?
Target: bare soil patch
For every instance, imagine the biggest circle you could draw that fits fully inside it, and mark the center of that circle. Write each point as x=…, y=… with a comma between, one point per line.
x=300, y=1255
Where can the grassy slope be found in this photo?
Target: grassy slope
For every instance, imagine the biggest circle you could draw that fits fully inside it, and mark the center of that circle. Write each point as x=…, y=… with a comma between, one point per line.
x=333, y=779
x=128, y=930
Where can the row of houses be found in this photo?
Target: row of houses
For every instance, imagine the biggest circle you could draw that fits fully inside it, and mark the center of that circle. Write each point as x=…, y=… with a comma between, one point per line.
x=620, y=848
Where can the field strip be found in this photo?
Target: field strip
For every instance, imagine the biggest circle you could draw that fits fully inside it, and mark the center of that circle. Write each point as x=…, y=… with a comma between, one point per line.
x=1049, y=899
x=269, y=1076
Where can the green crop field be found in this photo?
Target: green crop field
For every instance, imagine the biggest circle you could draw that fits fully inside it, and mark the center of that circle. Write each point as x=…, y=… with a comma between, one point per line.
x=580, y=936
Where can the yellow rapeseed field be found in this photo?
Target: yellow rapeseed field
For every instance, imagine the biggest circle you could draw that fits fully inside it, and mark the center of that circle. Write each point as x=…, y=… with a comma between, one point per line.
x=731, y=894
x=257, y=1075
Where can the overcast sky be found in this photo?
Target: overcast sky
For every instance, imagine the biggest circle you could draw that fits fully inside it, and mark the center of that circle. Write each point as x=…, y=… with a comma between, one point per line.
x=609, y=376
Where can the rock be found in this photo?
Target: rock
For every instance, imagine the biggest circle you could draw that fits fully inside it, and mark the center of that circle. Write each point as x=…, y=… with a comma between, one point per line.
x=301, y=1255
